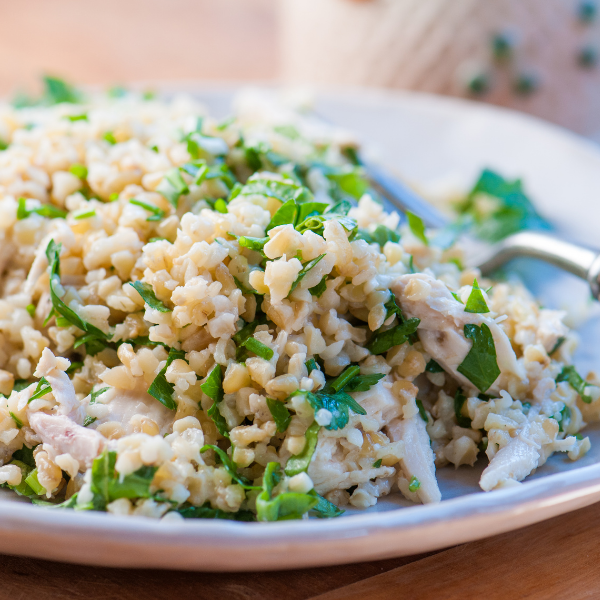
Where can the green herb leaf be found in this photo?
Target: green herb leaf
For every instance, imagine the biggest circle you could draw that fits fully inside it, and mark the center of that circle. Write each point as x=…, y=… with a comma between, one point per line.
x=70, y=503
x=433, y=367
x=565, y=418
x=95, y=395
x=337, y=403
x=377, y=463
x=476, y=302
x=305, y=269
x=16, y=419
x=417, y=227
x=576, y=381
x=207, y=512
x=345, y=377
x=320, y=288
x=480, y=366
x=382, y=342
x=230, y=467
x=74, y=118
x=459, y=401
x=108, y=486
x=30, y=308
x=213, y=388
x=173, y=186
x=350, y=180
x=514, y=211
x=422, y=411
x=287, y=505
x=252, y=243
x=324, y=509
x=258, y=348
x=559, y=342
x=42, y=388
x=57, y=91
x=363, y=383
x=79, y=170
x=32, y=481
x=157, y=213
x=46, y=210
x=311, y=209
x=160, y=388
x=414, y=484
x=286, y=214
x=281, y=415
x=59, y=307
x=85, y=215
x=300, y=462
x=146, y=291
x=110, y=138
x=89, y=420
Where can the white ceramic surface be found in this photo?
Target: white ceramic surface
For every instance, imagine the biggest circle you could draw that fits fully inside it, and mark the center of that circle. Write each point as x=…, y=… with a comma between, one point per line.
x=426, y=139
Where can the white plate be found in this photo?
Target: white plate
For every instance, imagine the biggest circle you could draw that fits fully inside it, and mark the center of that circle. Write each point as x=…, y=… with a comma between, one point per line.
x=426, y=139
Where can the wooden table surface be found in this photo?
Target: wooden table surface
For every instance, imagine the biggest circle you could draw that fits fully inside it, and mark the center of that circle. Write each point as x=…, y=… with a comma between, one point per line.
x=116, y=41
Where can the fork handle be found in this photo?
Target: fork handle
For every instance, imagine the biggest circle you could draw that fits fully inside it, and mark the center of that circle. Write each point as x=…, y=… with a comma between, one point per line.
x=575, y=259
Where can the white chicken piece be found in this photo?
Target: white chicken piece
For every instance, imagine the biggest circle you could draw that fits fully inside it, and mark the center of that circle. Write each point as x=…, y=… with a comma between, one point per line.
x=53, y=369
x=441, y=329
x=328, y=468
x=61, y=435
x=529, y=449
x=418, y=458
x=122, y=405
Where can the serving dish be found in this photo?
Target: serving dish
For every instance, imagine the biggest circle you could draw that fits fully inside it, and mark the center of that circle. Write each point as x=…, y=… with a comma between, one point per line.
x=430, y=142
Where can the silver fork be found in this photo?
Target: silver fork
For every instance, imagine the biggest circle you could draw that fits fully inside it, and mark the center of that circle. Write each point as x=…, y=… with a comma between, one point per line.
x=582, y=262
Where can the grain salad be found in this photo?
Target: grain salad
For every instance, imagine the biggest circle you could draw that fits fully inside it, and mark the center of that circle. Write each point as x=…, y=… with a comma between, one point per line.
x=205, y=318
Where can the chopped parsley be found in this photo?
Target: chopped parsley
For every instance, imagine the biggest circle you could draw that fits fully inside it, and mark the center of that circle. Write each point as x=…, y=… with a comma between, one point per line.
x=85, y=215
x=382, y=342
x=513, y=210
x=229, y=466
x=414, y=484
x=300, y=462
x=46, y=210
x=417, y=227
x=258, y=348
x=459, y=401
x=480, y=366
x=335, y=396
x=559, y=342
x=286, y=505
x=422, y=411
x=146, y=291
x=320, y=288
x=173, y=186
x=107, y=485
x=16, y=419
x=433, y=367
x=281, y=415
x=213, y=388
x=306, y=267
x=576, y=381
x=157, y=213
x=94, y=336
x=160, y=388
x=42, y=388
x=377, y=463
x=476, y=302
x=110, y=138
x=79, y=170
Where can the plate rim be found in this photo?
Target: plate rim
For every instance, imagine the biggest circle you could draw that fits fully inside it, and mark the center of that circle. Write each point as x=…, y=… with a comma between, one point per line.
x=503, y=510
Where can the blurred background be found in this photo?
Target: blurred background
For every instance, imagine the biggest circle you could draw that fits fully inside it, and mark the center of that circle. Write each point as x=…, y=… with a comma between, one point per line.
x=538, y=56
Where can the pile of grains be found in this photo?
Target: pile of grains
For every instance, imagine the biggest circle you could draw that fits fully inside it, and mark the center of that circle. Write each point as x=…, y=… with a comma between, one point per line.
x=217, y=319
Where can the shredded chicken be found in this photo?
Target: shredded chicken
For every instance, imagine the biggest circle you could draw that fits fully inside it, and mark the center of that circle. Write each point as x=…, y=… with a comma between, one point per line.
x=441, y=330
